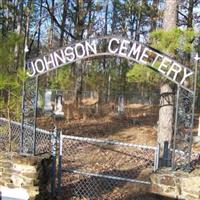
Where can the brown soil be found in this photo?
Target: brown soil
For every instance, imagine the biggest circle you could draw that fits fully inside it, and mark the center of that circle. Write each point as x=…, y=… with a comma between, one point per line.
x=138, y=126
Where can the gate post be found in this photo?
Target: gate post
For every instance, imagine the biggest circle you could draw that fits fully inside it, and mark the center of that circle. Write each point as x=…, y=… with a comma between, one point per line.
x=166, y=155
x=60, y=162
x=156, y=158
x=53, y=167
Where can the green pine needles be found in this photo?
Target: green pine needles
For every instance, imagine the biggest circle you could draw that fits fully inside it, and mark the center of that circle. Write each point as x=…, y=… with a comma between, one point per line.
x=177, y=43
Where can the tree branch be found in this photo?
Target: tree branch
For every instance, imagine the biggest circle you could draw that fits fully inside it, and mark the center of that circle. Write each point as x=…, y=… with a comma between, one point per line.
x=56, y=21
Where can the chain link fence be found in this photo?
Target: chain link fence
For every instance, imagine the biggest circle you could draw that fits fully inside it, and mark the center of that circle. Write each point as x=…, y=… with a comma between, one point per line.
x=91, y=168
x=10, y=137
x=102, y=169
x=181, y=156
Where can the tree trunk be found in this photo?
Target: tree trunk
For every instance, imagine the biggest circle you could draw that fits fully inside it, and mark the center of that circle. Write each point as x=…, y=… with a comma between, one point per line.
x=79, y=27
x=165, y=115
x=190, y=14
x=78, y=82
x=139, y=20
x=154, y=16
x=39, y=29
x=63, y=21
x=51, y=31
x=19, y=20
x=114, y=15
x=170, y=14
x=165, y=129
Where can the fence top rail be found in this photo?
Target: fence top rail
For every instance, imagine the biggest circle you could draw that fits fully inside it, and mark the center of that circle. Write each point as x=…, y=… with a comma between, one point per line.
x=13, y=122
x=107, y=142
x=26, y=126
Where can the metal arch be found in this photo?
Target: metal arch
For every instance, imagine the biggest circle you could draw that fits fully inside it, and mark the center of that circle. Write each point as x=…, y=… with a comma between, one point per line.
x=103, y=52
x=183, y=119
x=113, y=55
x=105, y=37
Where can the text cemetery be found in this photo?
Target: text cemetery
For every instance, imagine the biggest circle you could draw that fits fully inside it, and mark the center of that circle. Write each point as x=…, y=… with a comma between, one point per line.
x=128, y=49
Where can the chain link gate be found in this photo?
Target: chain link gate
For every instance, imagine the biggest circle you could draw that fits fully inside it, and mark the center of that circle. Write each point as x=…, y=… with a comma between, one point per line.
x=183, y=129
x=102, y=169
x=183, y=126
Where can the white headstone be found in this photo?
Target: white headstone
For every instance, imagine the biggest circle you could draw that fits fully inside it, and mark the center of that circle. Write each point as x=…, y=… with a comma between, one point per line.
x=121, y=104
x=47, y=101
x=58, y=107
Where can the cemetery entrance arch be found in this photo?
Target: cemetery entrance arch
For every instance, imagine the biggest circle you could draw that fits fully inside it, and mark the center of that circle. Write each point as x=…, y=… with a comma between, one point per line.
x=123, y=48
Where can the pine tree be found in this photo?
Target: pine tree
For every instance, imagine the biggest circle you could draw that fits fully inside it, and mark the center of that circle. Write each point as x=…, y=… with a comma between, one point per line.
x=165, y=126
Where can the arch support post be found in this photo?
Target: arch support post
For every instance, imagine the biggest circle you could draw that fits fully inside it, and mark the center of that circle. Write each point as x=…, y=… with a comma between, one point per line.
x=29, y=112
x=183, y=126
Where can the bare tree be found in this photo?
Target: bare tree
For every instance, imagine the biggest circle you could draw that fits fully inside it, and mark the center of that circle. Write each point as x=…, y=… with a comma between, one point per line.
x=63, y=22
x=187, y=14
x=154, y=15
